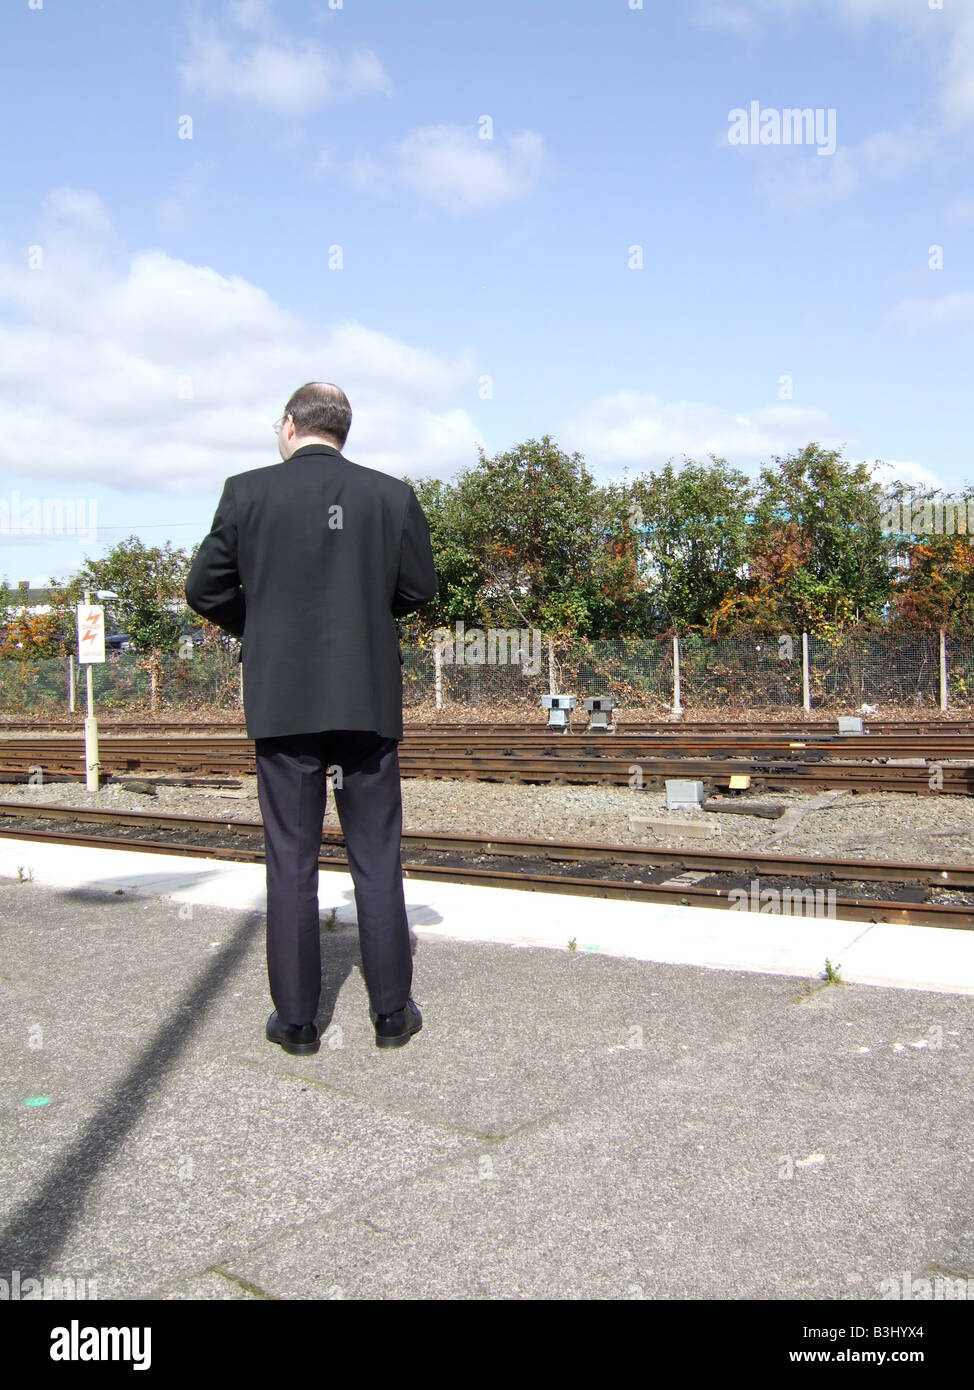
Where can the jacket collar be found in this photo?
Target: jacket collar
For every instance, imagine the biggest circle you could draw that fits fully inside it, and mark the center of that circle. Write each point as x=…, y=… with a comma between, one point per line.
x=315, y=449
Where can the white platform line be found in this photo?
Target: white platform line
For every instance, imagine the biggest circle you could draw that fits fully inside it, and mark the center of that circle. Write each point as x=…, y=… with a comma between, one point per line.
x=927, y=958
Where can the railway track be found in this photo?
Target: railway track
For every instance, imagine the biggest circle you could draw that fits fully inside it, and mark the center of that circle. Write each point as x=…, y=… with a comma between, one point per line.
x=922, y=894
x=798, y=729
x=869, y=763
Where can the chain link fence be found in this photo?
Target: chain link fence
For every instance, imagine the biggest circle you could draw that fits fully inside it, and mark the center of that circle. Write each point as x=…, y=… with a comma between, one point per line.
x=640, y=673
x=878, y=669
x=757, y=672
x=754, y=673
x=124, y=681
x=761, y=672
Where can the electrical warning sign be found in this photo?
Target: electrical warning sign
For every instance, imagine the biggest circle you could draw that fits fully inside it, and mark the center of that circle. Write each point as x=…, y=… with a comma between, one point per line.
x=91, y=632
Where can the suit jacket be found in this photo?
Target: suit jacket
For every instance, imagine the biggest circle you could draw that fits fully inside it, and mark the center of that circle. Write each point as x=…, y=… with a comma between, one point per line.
x=310, y=562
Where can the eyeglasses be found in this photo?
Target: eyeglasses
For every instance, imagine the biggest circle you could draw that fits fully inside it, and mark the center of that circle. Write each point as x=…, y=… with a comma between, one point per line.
x=277, y=426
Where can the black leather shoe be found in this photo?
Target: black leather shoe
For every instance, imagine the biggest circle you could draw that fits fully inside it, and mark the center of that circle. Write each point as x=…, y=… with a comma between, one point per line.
x=298, y=1038
x=395, y=1030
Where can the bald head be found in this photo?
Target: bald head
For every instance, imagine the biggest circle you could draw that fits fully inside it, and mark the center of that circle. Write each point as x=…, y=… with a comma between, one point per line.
x=317, y=413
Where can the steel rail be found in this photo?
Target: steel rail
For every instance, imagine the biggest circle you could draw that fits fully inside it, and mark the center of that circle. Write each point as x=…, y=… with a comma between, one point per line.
x=688, y=727
x=66, y=759
x=938, y=875
x=739, y=864
x=556, y=742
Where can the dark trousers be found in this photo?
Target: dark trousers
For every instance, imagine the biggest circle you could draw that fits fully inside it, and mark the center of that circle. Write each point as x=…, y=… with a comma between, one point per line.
x=292, y=790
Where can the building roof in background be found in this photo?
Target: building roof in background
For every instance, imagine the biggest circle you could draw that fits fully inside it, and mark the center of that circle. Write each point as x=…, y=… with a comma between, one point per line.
x=34, y=596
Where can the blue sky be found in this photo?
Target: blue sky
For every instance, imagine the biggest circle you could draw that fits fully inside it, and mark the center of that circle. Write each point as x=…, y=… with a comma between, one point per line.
x=338, y=214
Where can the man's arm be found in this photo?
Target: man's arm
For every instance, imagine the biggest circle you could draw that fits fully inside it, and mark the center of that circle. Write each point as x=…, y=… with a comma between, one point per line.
x=416, y=584
x=213, y=584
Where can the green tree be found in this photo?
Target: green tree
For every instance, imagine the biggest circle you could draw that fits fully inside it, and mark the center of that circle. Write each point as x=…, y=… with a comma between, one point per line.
x=826, y=515
x=26, y=636
x=149, y=581
x=534, y=522
x=622, y=605
x=693, y=524
x=935, y=589
x=460, y=569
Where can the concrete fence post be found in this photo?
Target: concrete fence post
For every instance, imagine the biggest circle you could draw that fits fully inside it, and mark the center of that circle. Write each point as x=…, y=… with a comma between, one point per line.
x=677, y=706
x=806, y=686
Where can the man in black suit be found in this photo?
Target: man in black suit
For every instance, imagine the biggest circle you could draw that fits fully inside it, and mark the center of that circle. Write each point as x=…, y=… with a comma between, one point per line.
x=310, y=562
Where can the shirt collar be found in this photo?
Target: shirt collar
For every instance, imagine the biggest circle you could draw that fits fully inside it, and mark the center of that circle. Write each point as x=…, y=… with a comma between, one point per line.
x=315, y=449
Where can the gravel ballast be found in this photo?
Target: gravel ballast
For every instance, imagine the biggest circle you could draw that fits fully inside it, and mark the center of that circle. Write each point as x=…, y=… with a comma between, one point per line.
x=889, y=826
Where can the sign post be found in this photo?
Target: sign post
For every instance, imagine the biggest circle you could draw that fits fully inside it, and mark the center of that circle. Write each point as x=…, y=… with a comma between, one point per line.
x=677, y=705
x=91, y=648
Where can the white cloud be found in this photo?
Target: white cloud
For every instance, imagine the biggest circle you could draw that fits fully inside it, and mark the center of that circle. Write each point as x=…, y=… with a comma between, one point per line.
x=284, y=75
x=449, y=166
x=77, y=208
x=730, y=18
x=763, y=14
x=364, y=73
x=99, y=347
x=186, y=192
x=368, y=174
x=958, y=93
x=891, y=152
x=886, y=153
x=797, y=176
x=361, y=171
x=961, y=210
x=385, y=365
x=639, y=428
x=800, y=180
x=948, y=34
x=946, y=311
x=440, y=441
x=250, y=14
x=902, y=11
x=886, y=472
x=453, y=168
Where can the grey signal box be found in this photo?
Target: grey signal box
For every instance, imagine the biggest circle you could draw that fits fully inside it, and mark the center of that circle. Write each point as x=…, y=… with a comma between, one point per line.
x=559, y=709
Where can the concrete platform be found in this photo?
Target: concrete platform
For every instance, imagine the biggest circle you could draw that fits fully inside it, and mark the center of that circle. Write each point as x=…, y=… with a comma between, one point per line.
x=667, y=1112
x=930, y=958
